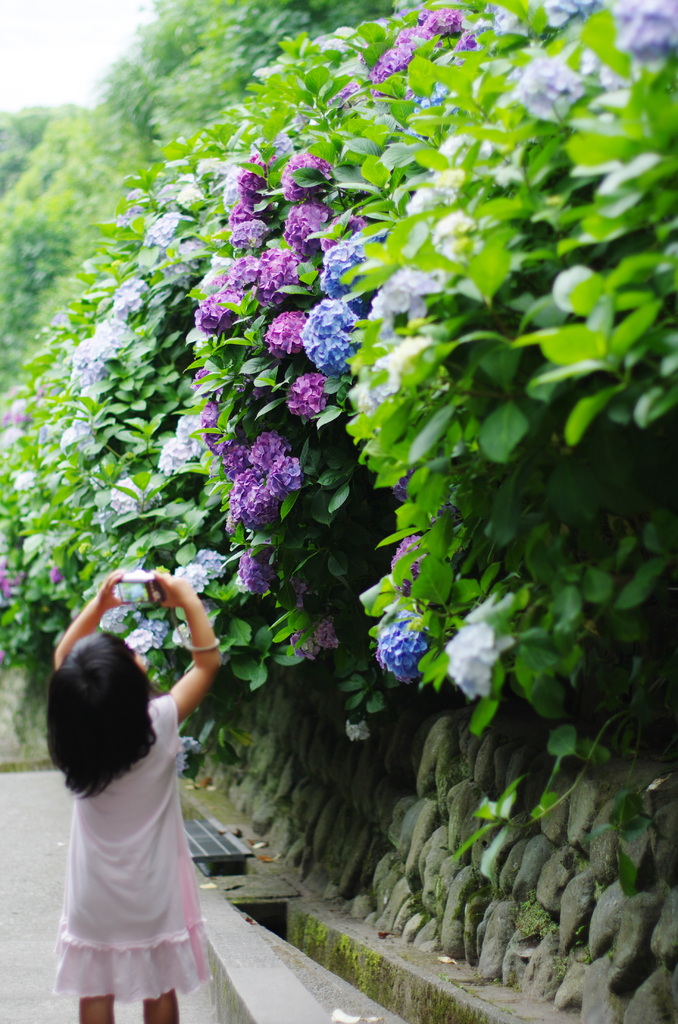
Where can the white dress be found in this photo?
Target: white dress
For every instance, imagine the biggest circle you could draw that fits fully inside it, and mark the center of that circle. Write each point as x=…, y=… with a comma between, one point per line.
x=131, y=924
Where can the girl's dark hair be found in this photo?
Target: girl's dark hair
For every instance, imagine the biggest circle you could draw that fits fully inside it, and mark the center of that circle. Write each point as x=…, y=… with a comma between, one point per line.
x=98, y=723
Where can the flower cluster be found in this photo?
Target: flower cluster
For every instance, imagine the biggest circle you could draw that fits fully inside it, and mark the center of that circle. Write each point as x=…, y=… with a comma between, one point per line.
x=357, y=731
x=122, y=501
x=212, y=317
x=304, y=221
x=182, y=448
x=309, y=644
x=163, y=230
x=342, y=257
x=647, y=30
x=255, y=572
x=88, y=362
x=559, y=12
x=548, y=87
x=8, y=583
x=150, y=633
x=263, y=475
x=196, y=574
x=283, y=337
x=327, y=336
x=400, y=647
x=403, y=293
x=296, y=193
x=406, y=546
x=306, y=395
x=79, y=434
x=277, y=268
x=189, y=746
x=128, y=297
x=472, y=653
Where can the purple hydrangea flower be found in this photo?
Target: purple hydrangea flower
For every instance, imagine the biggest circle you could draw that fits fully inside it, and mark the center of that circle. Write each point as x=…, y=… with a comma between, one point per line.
x=342, y=98
x=124, y=219
x=250, y=184
x=306, y=648
x=196, y=385
x=277, y=268
x=235, y=457
x=89, y=359
x=251, y=503
x=249, y=234
x=300, y=587
x=284, y=476
x=306, y=395
x=302, y=221
x=647, y=29
x=414, y=37
x=399, y=648
x=255, y=572
x=213, y=318
x=293, y=192
x=327, y=336
x=443, y=22
x=209, y=417
x=548, y=87
x=400, y=489
x=325, y=635
x=242, y=273
x=467, y=42
x=241, y=212
x=405, y=547
x=55, y=575
x=353, y=225
x=283, y=336
x=390, y=63
x=268, y=447
x=140, y=640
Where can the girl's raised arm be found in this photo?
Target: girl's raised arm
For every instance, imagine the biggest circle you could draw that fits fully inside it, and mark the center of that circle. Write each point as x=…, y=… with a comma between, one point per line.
x=90, y=616
x=192, y=687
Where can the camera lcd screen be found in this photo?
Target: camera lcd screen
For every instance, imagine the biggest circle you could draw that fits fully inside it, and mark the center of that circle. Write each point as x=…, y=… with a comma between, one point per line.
x=131, y=593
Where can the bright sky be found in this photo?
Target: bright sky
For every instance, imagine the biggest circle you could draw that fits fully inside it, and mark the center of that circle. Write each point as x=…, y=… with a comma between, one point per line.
x=55, y=51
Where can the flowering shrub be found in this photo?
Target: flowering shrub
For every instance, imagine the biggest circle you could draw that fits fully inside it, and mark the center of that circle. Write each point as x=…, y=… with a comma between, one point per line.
x=456, y=230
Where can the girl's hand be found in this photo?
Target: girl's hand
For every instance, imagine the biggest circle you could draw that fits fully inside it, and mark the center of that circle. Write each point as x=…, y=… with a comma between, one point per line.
x=178, y=591
x=107, y=596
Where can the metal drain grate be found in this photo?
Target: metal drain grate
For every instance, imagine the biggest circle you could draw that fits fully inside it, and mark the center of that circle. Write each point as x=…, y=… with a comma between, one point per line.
x=214, y=849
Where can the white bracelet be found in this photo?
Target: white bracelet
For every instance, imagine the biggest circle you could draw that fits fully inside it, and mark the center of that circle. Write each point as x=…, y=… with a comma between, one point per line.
x=197, y=650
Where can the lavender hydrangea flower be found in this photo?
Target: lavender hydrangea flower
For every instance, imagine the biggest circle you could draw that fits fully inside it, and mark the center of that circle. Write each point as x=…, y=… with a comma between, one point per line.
x=327, y=336
x=242, y=273
x=325, y=634
x=163, y=230
x=124, y=219
x=413, y=37
x=306, y=647
x=188, y=747
x=472, y=653
x=122, y=502
x=212, y=562
x=284, y=476
x=342, y=97
x=128, y=298
x=211, y=317
x=403, y=293
x=293, y=192
x=306, y=395
x=115, y=619
x=405, y=547
x=209, y=418
x=176, y=453
x=88, y=362
x=79, y=433
x=357, y=731
x=55, y=575
x=250, y=501
x=390, y=63
x=302, y=221
x=277, y=268
x=230, y=192
x=25, y=481
x=559, y=12
x=249, y=234
x=467, y=42
x=548, y=87
x=255, y=572
x=158, y=628
x=240, y=213
x=400, y=489
x=196, y=575
x=235, y=457
x=443, y=22
x=269, y=446
x=283, y=337
x=250, y=184
x=140, y=640
x=399, y=648
x=647, y=29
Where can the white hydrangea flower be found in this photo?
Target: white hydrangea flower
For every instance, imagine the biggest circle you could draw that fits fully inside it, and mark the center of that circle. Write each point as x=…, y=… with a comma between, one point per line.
x=196, y=575
x=472, y=654
x=122, y=502
x=450, y=235
x=141, y=640
x=189, y=194
x=454, y=144
x=25, y=481
x=402, y=359
x=79, y=433
x=357, y=731
x=89, y=359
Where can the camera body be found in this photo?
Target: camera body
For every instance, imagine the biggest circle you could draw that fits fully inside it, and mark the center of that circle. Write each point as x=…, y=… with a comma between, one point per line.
x=138, y=586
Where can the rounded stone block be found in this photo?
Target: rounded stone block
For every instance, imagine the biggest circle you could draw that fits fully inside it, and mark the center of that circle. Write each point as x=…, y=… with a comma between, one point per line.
x=606, y=919
x=570, y=993
x=464, y=885
x=653, y=1002
x=664, y=942
x=599, y=1004
x=537, y=852
x=632, y=960
x=554, y=877
x=441, y=741
x=500, y=929
x=576, y=907
x=426, y=823
x=541, y=979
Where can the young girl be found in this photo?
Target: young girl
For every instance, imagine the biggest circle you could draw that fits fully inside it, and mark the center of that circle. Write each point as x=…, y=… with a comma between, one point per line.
x=131, y=926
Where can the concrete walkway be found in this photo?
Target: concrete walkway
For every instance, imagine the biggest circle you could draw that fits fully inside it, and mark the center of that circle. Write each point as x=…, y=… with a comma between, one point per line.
x=35, y=810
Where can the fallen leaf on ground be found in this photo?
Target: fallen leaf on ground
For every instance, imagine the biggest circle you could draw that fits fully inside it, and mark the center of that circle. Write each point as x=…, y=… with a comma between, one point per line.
x=208, y=885
x=258, y=845
x=266, y=859
x=384, y=935
x=447, y=960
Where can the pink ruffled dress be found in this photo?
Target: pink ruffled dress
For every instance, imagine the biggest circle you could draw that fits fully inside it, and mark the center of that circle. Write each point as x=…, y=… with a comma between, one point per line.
x=131, y=924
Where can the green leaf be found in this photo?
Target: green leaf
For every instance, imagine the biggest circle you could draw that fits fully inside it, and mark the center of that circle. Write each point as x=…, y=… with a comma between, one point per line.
x=488, y=270
x=434, y=581
x=635, y=326
x=573, y=492
x=562, y=741
x=239, y=631
x=569, y=344
x=316, y=78
x=600, y=33
x=628, y=873
x=585, y=411
x=338, y=498
x=503, y=429
x=398, y=154
x=642, y=584
x=430, y=434
x=374, y=171
x=483, y=713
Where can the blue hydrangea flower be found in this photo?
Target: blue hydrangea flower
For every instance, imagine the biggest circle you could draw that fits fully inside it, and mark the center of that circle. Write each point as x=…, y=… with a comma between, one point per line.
x=647, y=29
x=399, y=648
x=548, y=87
x=327, y=336
x=212, y=562
x=163, y=230
x=196, y=575
x=346, y=254
x=559, y=12
x=129, y=297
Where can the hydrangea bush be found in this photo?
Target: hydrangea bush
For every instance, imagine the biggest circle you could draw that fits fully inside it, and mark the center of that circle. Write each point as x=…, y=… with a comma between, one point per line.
x=396, y=337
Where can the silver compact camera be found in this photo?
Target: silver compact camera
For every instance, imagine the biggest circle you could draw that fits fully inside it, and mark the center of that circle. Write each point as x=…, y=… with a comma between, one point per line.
x=135, y=587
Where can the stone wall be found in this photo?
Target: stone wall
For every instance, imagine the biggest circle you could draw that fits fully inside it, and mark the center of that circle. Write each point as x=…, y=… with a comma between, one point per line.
x=377, y=823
